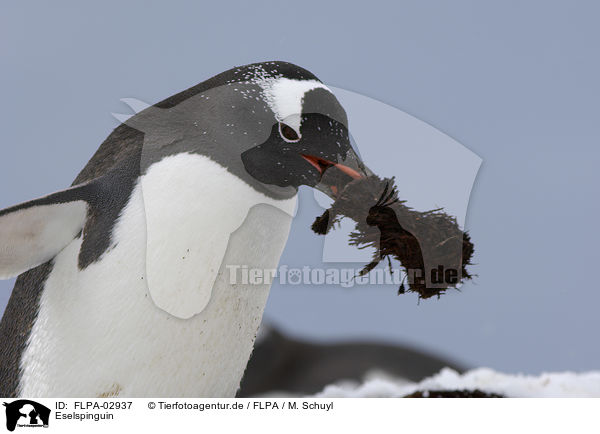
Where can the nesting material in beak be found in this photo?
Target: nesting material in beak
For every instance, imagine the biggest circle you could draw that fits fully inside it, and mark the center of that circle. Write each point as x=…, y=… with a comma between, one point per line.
x=430, y=246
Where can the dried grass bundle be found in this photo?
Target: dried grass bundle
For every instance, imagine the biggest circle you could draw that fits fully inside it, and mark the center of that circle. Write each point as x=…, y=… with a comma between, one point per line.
x=430, y=246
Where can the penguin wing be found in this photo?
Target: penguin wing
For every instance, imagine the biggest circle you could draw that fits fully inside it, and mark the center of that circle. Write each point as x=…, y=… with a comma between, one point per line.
x=34, y=232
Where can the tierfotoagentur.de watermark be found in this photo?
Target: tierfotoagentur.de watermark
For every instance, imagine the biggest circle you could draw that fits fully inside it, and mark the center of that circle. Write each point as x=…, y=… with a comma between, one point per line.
x=344, y=277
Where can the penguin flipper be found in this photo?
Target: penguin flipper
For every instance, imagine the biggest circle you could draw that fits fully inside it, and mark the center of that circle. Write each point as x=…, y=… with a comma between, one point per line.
x=34, y=232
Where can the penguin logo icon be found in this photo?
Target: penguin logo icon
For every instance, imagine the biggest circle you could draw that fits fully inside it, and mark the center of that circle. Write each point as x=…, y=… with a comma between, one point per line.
x=26, y=413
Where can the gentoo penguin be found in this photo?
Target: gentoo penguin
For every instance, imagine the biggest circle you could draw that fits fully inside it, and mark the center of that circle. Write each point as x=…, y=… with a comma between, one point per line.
x=288, y=366
x=125, y=287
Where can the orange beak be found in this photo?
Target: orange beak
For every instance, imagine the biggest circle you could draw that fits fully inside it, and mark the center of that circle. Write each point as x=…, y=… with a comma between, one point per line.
x=321, y=165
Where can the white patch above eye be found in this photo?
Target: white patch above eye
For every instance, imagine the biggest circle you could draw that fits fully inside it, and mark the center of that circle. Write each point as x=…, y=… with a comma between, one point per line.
x=284, y=97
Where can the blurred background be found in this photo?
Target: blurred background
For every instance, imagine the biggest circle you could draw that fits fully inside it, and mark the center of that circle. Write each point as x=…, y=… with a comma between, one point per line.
x=514, y=82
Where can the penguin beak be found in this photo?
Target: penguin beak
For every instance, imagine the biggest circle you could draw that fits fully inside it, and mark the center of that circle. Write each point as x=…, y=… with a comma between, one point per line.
x=336, y=175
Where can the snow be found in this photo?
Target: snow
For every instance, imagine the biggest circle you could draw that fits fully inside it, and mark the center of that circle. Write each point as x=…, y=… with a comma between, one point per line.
x=546, y=385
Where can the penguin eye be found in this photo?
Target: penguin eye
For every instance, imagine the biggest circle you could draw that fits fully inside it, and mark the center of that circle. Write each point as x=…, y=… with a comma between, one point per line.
x=288, y=133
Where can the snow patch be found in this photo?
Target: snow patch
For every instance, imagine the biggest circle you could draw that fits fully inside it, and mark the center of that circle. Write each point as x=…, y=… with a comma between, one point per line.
x=546, y=385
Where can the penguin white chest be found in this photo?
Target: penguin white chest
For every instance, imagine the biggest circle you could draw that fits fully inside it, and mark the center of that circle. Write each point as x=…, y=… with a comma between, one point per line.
x=98, y=331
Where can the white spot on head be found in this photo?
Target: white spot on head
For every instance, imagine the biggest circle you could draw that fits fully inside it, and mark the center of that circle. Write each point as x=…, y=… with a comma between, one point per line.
x=284, y=97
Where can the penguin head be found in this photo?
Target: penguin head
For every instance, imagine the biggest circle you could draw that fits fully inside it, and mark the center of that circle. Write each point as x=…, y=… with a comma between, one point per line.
x=273, y=124
x=308, y=142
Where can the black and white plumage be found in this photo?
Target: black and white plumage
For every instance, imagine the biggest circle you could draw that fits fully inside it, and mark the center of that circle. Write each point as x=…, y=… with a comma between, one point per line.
x=124, y=288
